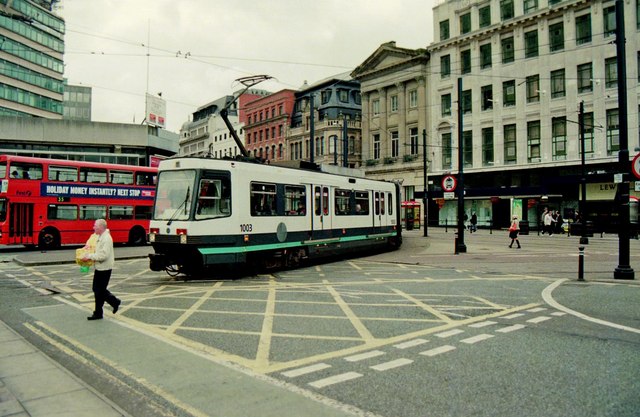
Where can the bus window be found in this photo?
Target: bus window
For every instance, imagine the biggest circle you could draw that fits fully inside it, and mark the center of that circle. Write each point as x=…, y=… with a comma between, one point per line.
x=146, y=178
x=142, y=212
x=94, y=175
x=62, y=212
x=343, y=202
x=3, y=170
x=121, y=212
x=362, y=202
x=3, y=210
x=263, y=199
x=27, y=171
x=93, y=212
x=57, y=173
x=121, y=177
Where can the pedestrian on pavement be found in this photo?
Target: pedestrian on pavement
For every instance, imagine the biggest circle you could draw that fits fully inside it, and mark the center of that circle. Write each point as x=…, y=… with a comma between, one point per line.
x=548, y=222
x=513, y=231
x=474, y=222
x=104, y=260
x=542, y=219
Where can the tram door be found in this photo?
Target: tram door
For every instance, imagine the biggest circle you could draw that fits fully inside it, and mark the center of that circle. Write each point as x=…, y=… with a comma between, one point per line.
x=380, y=212
x=321, y=208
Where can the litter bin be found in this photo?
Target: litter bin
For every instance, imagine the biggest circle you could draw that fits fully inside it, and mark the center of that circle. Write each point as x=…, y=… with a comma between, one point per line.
x=524, y=227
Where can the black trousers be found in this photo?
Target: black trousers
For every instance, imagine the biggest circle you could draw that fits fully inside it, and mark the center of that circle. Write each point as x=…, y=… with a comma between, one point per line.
x=100, y=291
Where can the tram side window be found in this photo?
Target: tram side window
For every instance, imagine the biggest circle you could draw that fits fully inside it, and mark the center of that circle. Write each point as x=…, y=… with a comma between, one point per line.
x=94, y=175
x=146, y=178
x=121, y=212
x=142, y=212
x=362, y=203
x=343, y=202
x=390, y=204
x=58, y=173
x=121, y=177
x=295, y=200
x=62, y=212
x=263, y=199
x=26, y=171
x=214, y=198
x=93, y=212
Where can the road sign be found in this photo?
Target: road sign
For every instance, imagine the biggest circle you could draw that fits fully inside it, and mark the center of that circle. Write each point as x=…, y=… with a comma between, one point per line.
x=449, y=183
x=635, y=166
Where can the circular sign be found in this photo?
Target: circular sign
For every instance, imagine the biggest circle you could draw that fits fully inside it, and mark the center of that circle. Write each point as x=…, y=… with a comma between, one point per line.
x=635, y=166
x=449, y=183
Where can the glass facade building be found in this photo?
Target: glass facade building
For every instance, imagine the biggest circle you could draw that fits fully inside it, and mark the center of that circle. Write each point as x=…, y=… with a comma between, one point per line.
x=31, y=59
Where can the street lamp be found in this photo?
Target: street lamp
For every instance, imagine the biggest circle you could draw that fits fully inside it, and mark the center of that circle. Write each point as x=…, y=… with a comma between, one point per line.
x=425, y=201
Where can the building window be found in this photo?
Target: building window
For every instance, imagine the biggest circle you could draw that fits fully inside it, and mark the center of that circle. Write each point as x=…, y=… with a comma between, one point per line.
x=507, y=50
x=557, y=83
x=465, y=23
x=638, y=14
x=583, y=29
x=531, y=44
x=585, y=78
x=486, y=92
x=343, y=96
x=509, y=93
x=466, y=102
x=484, y=16
x=413, y=140
x=395, y=144
x=445, y=104
x=510, y=150
x=446, y=151
x=467, y=148
x=533, y=141
x=465, y=61
x=556, y=37
x=611, y=72
x=559, y=138
x=533, y=89
x=376, y=146
x=613, y=131
x=506, y=9
x=609, y=18
x=445, y=66
x=444, y=30
x=394, y=103
x=530, y=6
x=587, y=120
x=413, y=98
x=487, y=146
x=485, y=56
x=375, y=107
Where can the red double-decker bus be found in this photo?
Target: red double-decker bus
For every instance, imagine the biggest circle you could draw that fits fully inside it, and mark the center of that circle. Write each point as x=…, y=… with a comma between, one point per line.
x=51, y=202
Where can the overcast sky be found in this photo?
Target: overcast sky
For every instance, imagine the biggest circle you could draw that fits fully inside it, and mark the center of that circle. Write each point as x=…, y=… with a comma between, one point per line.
x=197, y=48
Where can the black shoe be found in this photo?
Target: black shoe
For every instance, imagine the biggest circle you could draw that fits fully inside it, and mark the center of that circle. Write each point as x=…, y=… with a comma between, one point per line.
x=94, y=317
x=116, y=306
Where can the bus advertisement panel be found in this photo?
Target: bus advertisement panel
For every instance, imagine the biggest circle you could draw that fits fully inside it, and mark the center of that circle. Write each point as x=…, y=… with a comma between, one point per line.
x=51, y=202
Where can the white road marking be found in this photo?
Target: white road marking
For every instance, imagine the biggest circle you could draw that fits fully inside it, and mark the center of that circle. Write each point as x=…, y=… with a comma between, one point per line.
x=559, y=314
x=336, y=379
x=392, y=364
x=476, y=339
x=513, y=316
x=363, y=356
x=437, y=351
x=306, y=370
x=546, y=296
x=483, y=324
x=536, y=310
x=449, y=333
x=539, y=319
x=511, y=328
x=410, y=343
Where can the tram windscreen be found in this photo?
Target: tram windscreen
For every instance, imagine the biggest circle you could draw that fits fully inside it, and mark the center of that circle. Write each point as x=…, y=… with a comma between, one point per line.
x=174, y=195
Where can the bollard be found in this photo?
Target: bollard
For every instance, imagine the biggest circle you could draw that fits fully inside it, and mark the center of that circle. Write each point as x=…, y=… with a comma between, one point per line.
x=581, y=263
x=455, y=243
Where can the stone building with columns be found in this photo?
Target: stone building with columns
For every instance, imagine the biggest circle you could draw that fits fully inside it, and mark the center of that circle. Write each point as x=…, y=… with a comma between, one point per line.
x=394, y=99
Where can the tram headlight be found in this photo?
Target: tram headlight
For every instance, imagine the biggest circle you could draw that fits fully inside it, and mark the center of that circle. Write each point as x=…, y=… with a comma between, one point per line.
x=152, y=237
x=183, y=235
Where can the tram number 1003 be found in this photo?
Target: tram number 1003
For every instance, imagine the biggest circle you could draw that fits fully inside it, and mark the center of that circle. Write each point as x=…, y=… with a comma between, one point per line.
x=244, y=228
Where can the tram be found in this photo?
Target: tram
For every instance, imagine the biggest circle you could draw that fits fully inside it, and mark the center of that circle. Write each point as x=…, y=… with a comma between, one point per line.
x=211, y=212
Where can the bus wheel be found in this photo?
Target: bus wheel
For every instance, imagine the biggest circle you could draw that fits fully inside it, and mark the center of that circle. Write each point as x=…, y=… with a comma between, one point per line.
x=49, y=239
x=137, y=236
